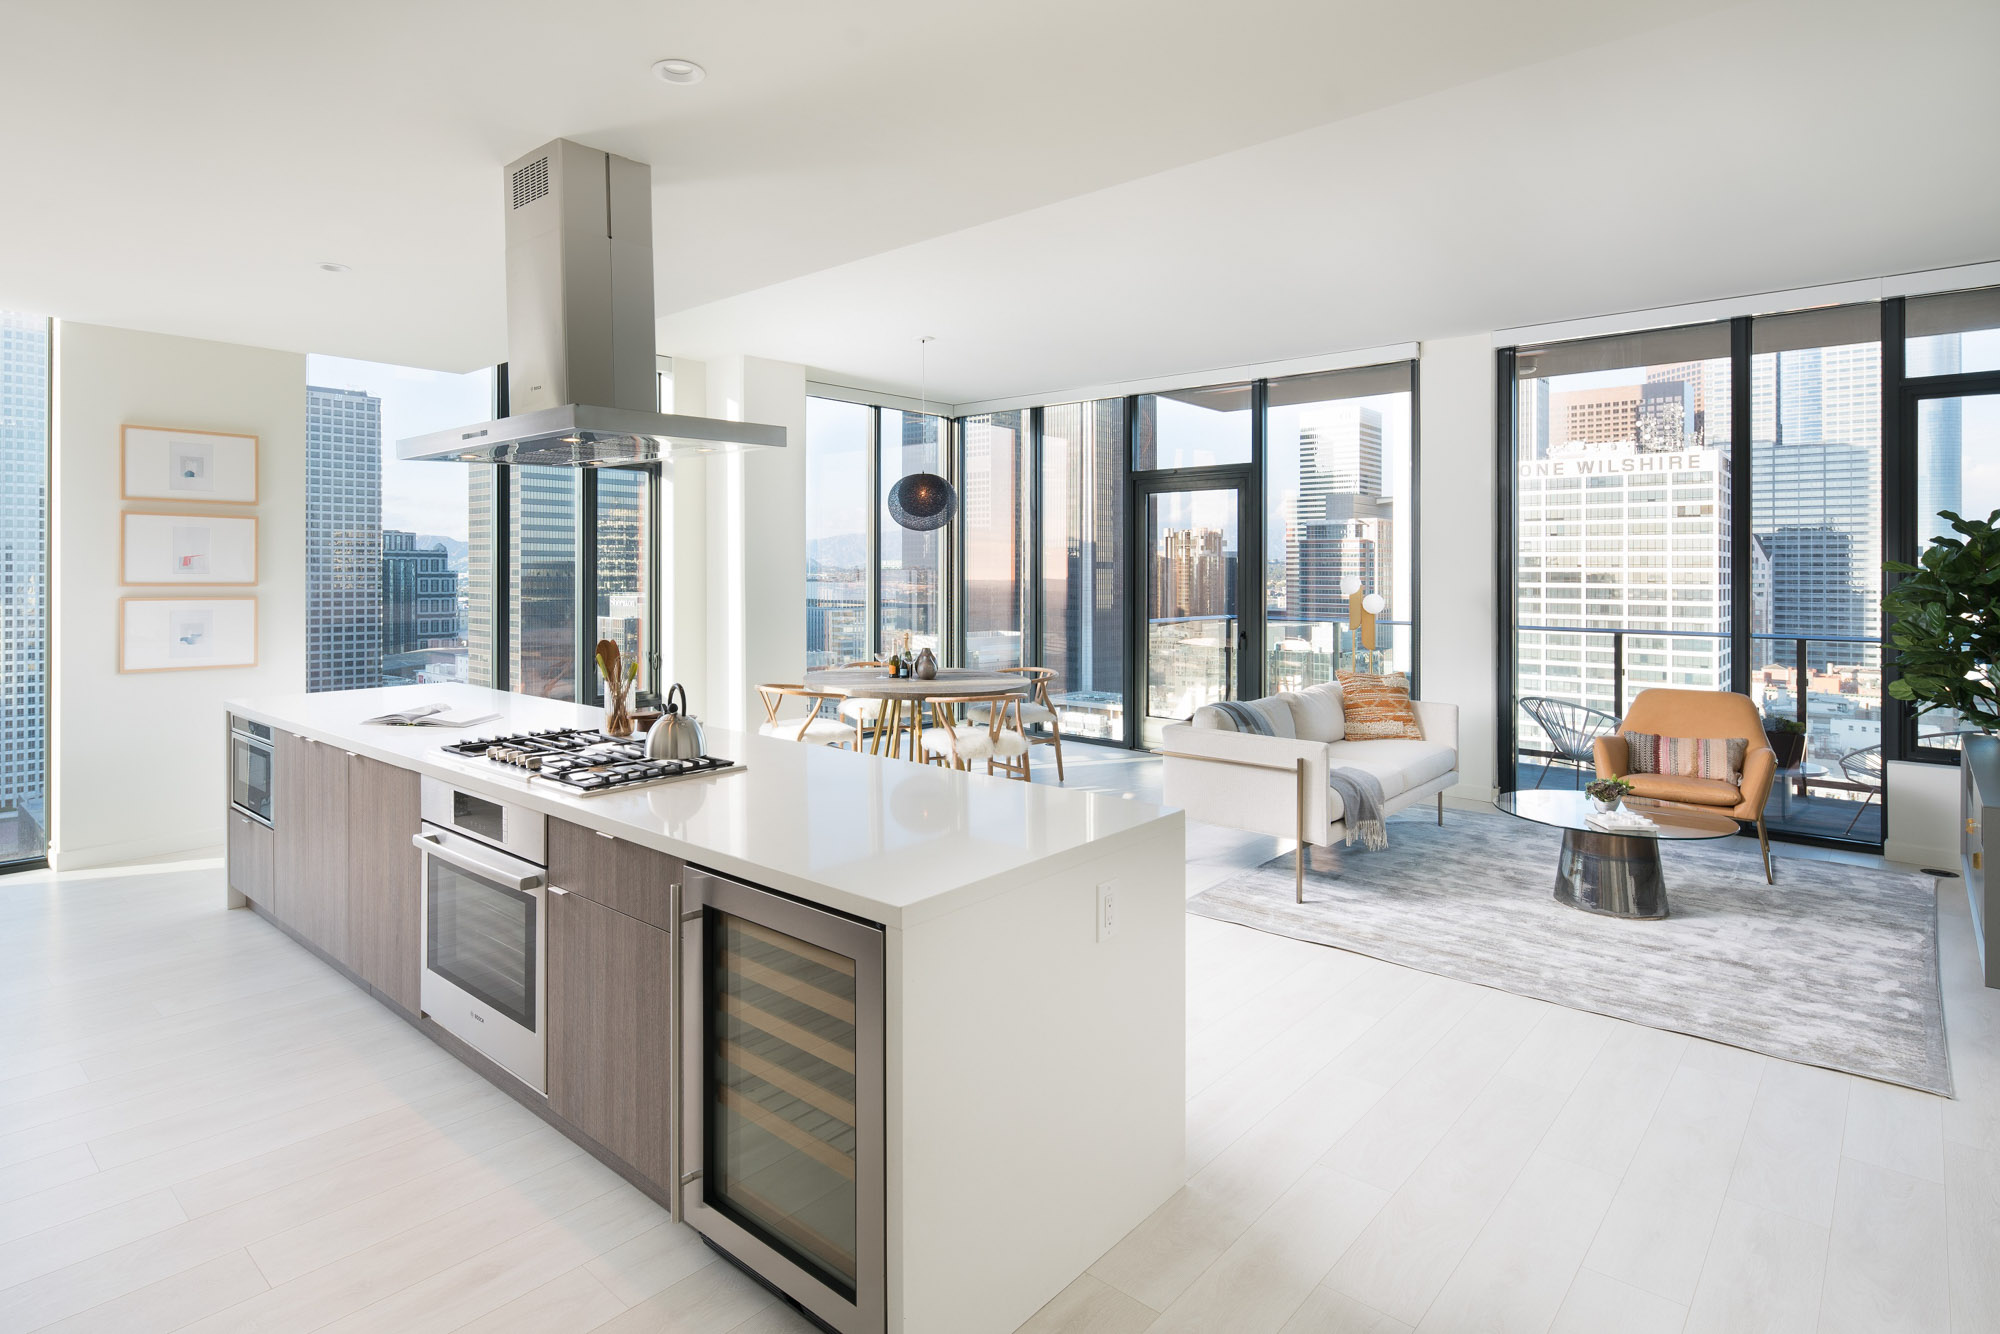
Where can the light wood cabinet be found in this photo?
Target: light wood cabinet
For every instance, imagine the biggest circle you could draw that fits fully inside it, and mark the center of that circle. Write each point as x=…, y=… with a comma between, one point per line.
x=251, y=852
x=610, y=1035
x=384, y=901
x=291, y=813
x=624, y=877
x=316, y=901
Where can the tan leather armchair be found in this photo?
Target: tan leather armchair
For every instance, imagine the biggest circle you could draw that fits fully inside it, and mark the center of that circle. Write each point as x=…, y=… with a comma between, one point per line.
x=1698, y=713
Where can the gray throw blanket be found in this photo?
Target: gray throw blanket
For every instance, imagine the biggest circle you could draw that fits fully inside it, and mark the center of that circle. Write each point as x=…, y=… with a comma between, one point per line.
x=1246, y=718
x=1359, y=791
x=1360, y=796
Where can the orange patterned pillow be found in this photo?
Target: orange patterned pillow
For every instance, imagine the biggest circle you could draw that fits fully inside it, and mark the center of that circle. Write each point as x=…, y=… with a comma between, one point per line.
x=1378, y=707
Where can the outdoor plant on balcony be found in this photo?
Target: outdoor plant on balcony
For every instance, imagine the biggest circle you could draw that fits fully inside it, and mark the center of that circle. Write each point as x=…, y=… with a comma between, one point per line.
x=1947, y=630
x=1784, y=726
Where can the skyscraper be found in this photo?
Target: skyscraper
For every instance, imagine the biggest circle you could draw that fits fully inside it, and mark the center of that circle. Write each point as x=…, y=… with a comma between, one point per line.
x=1191, y=574
x=420, y=614
x=1340, y=462
x=24, y=494
x=343, y=539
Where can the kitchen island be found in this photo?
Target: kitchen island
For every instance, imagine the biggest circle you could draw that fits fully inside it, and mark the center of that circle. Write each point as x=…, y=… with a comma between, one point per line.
x=1022, y=1052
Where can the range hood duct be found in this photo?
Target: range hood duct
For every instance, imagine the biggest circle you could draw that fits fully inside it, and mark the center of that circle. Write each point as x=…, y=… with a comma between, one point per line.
x=582, y=378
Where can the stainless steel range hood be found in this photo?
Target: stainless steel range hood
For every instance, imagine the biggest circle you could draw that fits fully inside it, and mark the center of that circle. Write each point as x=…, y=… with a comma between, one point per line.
x=582, y=379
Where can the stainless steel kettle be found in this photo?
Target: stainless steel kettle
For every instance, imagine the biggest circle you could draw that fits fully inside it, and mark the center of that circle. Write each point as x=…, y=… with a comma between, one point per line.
x=677, y=734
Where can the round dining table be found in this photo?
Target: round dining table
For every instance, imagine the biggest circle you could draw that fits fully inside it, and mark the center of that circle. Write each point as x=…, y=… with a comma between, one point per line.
x=901, y=693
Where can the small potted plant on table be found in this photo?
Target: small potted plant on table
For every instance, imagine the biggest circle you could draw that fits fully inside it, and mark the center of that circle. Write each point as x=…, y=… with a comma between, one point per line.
x=1788, y=740
x=1606, y=793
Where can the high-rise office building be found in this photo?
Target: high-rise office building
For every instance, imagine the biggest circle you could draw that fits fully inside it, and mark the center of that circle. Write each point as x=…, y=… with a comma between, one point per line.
x=422, y=632
x=1191, y=574
x=1594, y=416
x=1340, y=462
x=24, y=535
x=1940, y=439
x=542, y=566
x=1324, y=555
x=1624, y=525
x=478, y=581
x=343, y=539
x=1083, y=499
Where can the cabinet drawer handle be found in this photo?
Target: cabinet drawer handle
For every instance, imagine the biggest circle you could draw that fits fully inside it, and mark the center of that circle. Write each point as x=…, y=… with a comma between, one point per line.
x=353, y=755
x=601, y=834
x=557, y=889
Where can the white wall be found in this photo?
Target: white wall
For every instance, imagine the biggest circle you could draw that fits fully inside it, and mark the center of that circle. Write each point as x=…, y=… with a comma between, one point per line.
x=137, y=762
x=1455, y=519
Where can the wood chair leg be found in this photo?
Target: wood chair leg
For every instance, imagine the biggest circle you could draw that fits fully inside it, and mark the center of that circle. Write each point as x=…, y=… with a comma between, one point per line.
x=1055, y=734
x=1764, y=842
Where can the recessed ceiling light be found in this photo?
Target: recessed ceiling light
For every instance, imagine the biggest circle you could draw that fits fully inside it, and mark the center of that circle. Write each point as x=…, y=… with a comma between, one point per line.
x=329, y=266
x=678, y=71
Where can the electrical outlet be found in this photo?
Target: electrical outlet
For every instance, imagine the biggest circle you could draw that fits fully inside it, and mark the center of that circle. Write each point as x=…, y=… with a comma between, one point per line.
x=1107, y=910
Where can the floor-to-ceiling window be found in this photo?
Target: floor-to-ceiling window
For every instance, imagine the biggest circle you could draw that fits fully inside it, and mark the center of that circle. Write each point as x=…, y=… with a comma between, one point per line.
x=389, y=568
x=1765, y=562
x=625, y=561
x=1339, y=519
x=911, y=562
x=542, y=574
x=1950, y=409
x=1621, y=477
x=1816, y=560
x=24, y=588
x=1083, y=604
x=993, y=499
x=839, y=437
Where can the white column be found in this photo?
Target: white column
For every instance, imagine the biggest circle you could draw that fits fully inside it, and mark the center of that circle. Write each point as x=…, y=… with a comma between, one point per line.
x=684, y=548
x=755, y=577
x=1456, y=484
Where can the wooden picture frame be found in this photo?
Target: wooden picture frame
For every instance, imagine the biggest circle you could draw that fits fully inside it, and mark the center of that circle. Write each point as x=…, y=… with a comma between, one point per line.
x=186, y=634
x=197, y=550
x=195, y=467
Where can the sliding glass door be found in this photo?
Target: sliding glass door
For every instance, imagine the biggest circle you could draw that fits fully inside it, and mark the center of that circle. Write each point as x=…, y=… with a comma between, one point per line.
x=24, y=589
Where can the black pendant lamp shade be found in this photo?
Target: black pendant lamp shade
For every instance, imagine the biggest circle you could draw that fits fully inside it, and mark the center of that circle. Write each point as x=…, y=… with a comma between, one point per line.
x=922, y=501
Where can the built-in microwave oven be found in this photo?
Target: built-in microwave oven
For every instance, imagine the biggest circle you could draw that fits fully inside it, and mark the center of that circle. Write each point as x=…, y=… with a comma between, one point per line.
x=483, y=931
x=250, y=768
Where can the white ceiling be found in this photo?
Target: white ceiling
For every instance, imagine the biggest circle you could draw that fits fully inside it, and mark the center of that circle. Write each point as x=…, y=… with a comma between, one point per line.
x=182, y=167
x=1767, y=147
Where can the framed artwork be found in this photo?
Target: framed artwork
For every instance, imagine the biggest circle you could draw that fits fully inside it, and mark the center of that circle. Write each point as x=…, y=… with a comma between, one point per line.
x=208, y=467
x=186, y=634
x=187, y=549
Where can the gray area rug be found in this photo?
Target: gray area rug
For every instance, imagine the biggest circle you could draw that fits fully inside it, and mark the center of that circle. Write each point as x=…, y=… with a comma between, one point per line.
x=1834, y=966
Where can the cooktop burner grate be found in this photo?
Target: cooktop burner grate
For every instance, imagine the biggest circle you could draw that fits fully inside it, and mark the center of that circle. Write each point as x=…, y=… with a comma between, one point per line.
x=585, y=762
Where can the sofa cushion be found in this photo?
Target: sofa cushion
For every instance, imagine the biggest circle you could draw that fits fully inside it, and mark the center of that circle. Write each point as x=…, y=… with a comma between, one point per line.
x=1316, y=712
x=1682, y=788
x=1378, y=707
x=1277, y=716
x=1397, y=764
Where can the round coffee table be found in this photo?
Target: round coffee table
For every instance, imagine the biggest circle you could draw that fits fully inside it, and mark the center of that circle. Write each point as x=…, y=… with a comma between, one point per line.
x=1615, y=874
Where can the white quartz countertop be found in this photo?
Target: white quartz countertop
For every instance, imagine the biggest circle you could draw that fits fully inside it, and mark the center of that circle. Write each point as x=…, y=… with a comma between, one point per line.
x=888, y=840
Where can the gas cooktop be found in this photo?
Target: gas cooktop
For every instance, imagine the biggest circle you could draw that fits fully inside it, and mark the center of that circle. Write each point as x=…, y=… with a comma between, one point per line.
x=584, y=762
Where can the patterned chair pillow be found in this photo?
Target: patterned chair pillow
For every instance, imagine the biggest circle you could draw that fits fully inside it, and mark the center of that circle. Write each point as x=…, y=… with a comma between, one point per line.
x=1688, y=757
x=1378, y=707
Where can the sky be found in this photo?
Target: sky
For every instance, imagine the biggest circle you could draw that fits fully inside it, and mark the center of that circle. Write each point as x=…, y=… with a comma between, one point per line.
x=424, y=498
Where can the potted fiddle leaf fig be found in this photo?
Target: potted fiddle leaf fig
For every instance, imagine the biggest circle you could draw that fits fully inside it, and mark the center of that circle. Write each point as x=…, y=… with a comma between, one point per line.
x=1947, y=629
x=1788, y=740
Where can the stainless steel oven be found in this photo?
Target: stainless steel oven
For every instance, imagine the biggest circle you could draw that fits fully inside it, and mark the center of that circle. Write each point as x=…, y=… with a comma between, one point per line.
x=782, y=1091
x=484, y=926
x=250, y=763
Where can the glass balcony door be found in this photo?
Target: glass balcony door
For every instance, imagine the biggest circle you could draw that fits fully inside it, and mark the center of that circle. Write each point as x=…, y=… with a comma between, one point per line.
x=1193, y=642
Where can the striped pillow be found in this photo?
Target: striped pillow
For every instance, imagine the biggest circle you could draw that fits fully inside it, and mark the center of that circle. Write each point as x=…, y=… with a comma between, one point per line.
x=1687, y=757
x=1378, y=707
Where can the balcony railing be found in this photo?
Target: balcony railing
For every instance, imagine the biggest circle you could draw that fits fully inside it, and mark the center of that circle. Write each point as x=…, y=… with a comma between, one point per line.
x=1831, y=685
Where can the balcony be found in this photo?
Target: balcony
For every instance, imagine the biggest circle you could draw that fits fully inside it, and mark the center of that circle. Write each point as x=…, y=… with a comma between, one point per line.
x=1831, y=687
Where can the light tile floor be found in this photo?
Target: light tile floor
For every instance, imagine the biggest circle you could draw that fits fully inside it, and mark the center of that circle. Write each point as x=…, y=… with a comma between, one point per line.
x=203, y=1128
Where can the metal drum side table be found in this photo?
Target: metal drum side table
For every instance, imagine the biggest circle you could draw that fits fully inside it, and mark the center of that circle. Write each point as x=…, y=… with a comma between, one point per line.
x=1617, y=875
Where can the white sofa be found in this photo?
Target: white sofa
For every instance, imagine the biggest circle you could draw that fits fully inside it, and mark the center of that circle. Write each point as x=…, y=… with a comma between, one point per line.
x=1277, y=784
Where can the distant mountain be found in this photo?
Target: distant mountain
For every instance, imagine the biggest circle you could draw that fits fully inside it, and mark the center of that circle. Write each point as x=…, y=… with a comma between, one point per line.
x=844, y=550
x=454, y=550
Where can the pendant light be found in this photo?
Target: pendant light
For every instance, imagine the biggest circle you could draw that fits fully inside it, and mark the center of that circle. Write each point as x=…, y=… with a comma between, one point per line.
x=923, y=501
